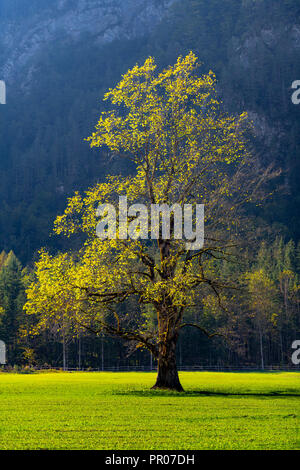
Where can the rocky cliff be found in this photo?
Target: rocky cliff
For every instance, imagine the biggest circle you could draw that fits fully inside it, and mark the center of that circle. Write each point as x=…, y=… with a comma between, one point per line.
x=65, y=22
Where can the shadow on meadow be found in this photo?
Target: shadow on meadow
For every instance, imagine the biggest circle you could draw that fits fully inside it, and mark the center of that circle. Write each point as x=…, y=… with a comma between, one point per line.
x=264, y=392
x=207, y=393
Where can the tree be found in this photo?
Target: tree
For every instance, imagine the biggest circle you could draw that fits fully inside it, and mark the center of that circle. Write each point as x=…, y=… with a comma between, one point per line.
x=182, y=150
x=263, y=304
x=12, y=298
x=3, y=257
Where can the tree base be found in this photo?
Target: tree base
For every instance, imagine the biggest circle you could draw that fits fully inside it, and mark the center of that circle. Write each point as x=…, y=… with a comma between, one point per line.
x=167, y=373
x=177, y=388
x=167, y=378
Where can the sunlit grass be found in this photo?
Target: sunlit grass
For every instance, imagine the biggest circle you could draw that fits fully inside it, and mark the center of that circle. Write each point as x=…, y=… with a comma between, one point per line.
x=118, y=411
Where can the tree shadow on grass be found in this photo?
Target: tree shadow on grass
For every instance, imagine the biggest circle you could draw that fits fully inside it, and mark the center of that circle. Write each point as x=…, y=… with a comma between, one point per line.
x=208, y=393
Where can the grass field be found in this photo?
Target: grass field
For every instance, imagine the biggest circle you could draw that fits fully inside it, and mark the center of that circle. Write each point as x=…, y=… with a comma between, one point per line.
x=117, y=411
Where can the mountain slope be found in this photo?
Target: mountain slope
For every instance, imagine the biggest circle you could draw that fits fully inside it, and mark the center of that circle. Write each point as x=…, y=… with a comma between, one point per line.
x=68, y=21
x=58, y=61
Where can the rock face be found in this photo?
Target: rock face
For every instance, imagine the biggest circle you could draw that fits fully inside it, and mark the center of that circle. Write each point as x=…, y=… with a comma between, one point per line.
x=67, y=21
x=266, y=49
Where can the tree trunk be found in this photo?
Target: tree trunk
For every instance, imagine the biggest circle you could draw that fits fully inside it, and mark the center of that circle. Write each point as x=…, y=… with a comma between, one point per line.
x=79, y=353
x=261, y=350
x=64, y=353
x=167, y=376
x=102, y=354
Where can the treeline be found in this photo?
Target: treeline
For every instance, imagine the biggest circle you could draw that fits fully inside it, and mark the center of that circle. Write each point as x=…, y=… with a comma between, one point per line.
x=256, y=322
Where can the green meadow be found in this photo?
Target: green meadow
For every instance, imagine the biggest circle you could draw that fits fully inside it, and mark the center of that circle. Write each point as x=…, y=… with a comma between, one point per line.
x=118, y=411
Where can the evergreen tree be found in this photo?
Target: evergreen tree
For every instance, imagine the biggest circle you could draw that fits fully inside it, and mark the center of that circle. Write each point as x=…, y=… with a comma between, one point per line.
x=11, y=300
